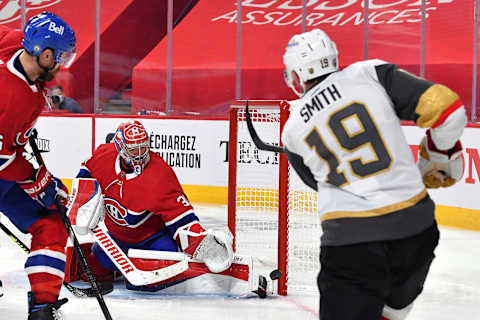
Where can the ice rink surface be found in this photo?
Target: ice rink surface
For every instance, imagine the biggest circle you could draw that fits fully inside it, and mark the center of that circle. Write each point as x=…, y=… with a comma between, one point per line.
x=451, y=292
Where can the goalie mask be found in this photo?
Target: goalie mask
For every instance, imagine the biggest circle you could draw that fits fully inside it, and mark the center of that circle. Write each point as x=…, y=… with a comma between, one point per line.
x=131, y=141
x=311, y=55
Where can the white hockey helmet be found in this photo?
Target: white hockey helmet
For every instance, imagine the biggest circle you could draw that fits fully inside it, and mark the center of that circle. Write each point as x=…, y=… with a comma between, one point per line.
x=311, y=55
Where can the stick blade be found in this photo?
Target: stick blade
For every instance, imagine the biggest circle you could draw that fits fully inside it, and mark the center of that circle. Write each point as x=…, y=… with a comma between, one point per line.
x=256, y=139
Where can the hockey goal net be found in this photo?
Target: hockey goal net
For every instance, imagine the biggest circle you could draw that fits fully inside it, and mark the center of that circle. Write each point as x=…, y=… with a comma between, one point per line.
x=271, y=212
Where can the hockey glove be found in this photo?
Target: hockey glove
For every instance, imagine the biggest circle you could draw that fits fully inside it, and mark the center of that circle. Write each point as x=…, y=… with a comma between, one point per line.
x=44, y=187
x=439, y=168
x=214, y=248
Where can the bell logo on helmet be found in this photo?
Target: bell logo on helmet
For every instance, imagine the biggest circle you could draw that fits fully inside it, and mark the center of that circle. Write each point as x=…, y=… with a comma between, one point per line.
x=53, y=27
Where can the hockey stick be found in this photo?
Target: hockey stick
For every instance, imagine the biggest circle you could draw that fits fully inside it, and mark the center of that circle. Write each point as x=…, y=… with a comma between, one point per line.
x=77, y=292
x=134, y=275
x=73, y=237
x=256, y=140
x=238, y=260
x=176, y=256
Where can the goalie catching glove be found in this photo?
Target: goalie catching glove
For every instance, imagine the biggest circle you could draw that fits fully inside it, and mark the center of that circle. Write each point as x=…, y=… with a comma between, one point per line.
x=439, y=168
x=213, y=247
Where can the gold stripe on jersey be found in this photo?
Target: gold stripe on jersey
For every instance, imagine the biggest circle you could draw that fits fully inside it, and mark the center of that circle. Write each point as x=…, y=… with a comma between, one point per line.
x=376, y=212
x=432, y=103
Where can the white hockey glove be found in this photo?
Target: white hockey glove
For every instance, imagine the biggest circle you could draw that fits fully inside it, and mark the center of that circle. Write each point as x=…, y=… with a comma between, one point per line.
x=213, y=247
x=439, y=168
x=85, y=205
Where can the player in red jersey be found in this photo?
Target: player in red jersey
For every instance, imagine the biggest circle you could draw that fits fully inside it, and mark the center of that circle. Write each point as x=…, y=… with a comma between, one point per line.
x=146, y=207
x=27, y=195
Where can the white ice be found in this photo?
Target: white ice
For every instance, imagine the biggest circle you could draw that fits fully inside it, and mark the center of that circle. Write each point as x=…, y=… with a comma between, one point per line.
x=452, y=290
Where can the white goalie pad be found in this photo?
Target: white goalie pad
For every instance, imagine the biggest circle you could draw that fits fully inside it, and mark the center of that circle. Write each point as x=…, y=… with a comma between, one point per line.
x=85, y=205
x=239, y=279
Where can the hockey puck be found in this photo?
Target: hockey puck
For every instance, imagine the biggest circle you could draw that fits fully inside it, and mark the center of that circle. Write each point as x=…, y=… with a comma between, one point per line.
x=275, y=274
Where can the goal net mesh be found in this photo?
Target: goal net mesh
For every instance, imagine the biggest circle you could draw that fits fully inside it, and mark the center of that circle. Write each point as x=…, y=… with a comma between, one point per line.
x=257, y=204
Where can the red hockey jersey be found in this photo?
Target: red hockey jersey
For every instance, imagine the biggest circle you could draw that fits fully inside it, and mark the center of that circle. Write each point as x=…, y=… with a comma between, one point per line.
x=138, y=206
x=10, y=42
x=21, y=105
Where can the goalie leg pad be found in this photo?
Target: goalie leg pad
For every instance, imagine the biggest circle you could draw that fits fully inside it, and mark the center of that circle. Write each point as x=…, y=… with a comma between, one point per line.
x=237, y=279
x=74, y=271
x=197, y=279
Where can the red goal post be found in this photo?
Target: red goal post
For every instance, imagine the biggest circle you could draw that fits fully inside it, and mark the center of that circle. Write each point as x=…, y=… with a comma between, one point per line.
x=271, y=213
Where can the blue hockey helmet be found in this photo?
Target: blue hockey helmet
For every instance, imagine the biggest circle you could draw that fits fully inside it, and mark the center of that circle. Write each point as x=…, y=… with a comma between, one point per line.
x=46, y=30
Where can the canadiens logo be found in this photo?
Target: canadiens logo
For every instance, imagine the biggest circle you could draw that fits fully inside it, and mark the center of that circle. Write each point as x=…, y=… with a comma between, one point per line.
x=122, y=216
x=11, y=10
x=135, y=133
x=21, y=138
x=116, y=211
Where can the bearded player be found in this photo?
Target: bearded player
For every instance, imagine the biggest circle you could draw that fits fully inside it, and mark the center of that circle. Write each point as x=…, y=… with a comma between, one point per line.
x=27, y=195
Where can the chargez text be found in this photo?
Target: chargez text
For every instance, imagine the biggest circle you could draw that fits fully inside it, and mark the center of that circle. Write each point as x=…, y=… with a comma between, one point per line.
x=172, y=142
x=112, y=249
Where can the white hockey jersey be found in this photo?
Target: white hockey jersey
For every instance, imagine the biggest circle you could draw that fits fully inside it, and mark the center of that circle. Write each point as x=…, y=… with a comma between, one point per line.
x=344, y=137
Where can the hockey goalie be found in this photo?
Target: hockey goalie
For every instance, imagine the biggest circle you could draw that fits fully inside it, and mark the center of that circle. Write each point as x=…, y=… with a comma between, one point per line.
x=130, y=200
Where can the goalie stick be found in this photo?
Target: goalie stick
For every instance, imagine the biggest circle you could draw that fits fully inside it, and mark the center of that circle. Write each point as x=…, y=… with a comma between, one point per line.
x=134, y=275
x=261, y=291
x=77, y=292
x=76, y=245
x=176, y=256
x=256, y=139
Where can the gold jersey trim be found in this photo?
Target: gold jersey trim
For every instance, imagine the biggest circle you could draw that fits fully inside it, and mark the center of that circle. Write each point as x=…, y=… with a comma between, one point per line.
x=432, y=103
x=376, y=212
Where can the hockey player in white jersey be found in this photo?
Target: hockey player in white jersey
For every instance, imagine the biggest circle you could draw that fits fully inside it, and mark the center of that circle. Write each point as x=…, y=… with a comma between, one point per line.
x=345, y=140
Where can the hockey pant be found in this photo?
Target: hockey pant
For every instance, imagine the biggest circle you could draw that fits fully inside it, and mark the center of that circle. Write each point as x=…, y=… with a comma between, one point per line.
x=45, y=264
x=356, y=281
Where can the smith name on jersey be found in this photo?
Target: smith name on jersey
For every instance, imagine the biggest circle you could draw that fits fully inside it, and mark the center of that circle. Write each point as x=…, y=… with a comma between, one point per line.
x=344, y=139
